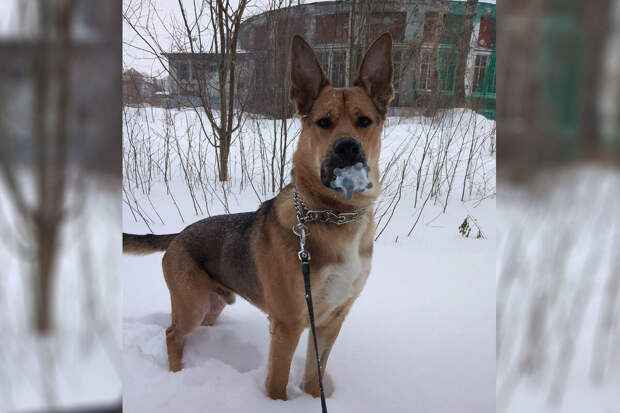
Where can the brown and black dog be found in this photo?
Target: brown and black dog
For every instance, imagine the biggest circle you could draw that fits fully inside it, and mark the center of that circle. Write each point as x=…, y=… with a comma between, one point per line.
x=254, y=254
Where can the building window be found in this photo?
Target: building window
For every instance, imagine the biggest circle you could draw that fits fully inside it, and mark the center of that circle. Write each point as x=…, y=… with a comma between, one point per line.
x=338, y=69
x=212, y=68
x=424, y=72
x=480, y=69
x=492, y=83
x=447, y=30
x=486, y=36
x=183, y=71
x=331, y=28
x=453, y=26
x=447, y=68
x=386, y=21
x=431, y=18
x=334, y=64
x=323, y=57
x=198, y=71
x=192, y=71
x=447, y=78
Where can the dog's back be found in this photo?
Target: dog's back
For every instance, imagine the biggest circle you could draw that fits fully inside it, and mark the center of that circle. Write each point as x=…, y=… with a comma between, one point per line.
x=221, y=246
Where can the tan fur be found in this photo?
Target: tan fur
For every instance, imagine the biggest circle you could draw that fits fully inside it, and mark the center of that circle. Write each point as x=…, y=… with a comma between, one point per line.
x=341, y=255
x=195, y=299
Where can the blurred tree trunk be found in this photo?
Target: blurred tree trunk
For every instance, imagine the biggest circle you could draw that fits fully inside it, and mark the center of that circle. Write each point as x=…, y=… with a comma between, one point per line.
x=51, y=181
x=352, y=49
x=596, y=16
x=43, y=219
x=284, y=100
x=463, y=51
x=433, y=101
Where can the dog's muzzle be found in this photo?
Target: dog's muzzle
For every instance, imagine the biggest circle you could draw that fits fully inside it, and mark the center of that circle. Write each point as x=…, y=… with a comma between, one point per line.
x=346, y=151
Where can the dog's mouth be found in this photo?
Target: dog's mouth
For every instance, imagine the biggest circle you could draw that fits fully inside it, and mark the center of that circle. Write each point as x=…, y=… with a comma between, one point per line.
x=344, y=168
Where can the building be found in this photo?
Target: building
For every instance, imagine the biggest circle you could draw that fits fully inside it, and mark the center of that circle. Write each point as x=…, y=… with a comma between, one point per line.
x=339, y=32
x=139, y=89
x=193, y=74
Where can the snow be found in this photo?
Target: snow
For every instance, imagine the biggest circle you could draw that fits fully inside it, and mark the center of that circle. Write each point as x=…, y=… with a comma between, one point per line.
x=80, y=363
x=557, y=251
x=351, y=179
x=421, y=337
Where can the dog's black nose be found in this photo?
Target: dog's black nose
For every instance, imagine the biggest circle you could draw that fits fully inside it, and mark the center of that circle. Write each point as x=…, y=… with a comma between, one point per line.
x=349, y=150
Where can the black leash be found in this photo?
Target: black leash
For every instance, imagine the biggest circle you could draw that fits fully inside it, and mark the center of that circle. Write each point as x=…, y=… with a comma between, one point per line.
x=304, y=215
x=304, y=256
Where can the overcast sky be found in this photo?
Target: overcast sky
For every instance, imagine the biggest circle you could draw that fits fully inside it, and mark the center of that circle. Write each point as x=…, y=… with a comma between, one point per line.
x=135, y=51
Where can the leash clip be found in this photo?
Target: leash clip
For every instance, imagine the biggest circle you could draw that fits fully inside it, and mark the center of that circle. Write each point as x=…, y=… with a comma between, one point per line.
x=301, y=231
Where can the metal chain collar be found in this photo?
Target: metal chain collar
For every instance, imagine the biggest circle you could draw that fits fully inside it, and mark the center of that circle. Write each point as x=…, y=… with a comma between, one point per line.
x=327, y=216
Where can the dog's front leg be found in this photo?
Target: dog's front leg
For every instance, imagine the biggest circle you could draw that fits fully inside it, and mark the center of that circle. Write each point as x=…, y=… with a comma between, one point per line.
x=326, y=336
x=284, y=339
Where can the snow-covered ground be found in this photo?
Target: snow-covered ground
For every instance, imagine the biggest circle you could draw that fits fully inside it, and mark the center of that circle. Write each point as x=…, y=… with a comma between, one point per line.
x=421, y=337
x=557, y=297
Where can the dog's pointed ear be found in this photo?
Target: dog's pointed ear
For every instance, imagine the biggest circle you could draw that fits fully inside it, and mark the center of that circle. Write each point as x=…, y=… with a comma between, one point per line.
x=307, y=78
x=376, y=73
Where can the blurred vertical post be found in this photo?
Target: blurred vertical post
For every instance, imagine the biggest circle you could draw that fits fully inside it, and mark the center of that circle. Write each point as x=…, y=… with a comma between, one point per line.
x=558, y=223
x=60, y=152
x=462, y=47
x=596, y=24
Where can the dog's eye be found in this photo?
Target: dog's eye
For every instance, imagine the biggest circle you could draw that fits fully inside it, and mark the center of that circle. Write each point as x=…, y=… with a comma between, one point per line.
x=324, y=123
x=363, y=121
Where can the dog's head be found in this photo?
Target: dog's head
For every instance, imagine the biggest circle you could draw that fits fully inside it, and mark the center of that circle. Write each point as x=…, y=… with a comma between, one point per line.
x=341, y=127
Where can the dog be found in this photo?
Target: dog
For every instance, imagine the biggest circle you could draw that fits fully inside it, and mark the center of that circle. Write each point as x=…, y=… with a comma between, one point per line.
x=255, y=254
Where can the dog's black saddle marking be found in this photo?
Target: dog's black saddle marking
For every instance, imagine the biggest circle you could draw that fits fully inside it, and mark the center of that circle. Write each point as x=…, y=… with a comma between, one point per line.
x=221, y=246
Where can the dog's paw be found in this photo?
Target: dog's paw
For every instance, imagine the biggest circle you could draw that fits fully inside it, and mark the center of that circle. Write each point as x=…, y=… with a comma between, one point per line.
x=277, y=394
x=275, y=390
x=312, y=387
x=175, y=367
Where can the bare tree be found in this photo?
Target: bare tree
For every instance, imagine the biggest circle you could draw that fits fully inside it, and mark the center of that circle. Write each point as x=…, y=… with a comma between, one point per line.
x=213, y=26
x=462, y=48
x=438, y=28
x=280, y=24
x=225, y=22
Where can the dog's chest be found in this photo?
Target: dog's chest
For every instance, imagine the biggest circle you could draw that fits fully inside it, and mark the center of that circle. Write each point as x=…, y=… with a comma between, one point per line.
x=345, y=280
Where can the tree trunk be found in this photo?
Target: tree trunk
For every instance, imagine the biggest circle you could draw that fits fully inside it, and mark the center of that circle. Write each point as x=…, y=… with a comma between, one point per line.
x=224, y=151
x=44, y=277
x=596, y=16
x=433, y=101
x=352, y=70
x=462, y=53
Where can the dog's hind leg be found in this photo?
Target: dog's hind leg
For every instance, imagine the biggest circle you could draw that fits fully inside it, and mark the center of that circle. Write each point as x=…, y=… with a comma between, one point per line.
x=216, y=301
x=191, y=292
x=184, y=321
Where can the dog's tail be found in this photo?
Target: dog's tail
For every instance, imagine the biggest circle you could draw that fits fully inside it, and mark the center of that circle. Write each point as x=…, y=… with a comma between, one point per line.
x=146, y=244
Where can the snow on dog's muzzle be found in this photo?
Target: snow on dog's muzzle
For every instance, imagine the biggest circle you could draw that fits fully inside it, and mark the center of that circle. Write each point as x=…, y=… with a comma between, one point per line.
x=351, y=179
x=345, y=169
